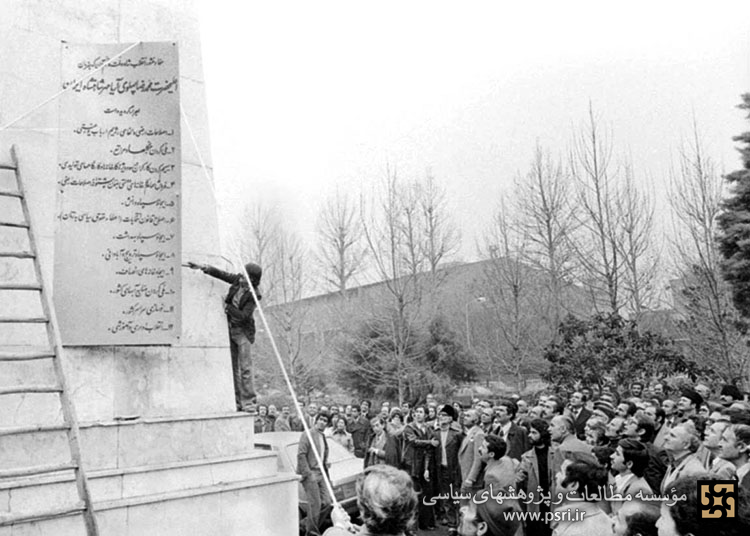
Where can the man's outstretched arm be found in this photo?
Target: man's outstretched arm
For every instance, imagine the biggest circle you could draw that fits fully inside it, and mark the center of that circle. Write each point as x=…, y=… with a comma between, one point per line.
x=213, y=272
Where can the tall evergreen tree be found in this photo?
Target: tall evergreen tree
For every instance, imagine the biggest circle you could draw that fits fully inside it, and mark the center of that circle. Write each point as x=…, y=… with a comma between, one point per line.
x=734, y=222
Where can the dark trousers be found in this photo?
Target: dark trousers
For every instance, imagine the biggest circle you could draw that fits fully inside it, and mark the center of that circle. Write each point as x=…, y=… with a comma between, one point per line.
x=242, y=368
x=425, y=512
x=317, y=497
x=448, y=507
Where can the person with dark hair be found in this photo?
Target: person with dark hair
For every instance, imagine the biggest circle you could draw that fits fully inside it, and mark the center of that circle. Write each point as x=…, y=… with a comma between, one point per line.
x=688, y=403
x=386, y=501
x=552, y=407
x=383, y=448
x=500, y=469
x=419, y=459
x=683, y=517
x=239, y=306
x=483, y=517
x=729, y=395
x=534, y=473
x=513, y=434
x=311, y=471
x=735, y=447
x=636, y=389
x=636, y=518
x=577, y=407
x=641, y=427
x=448, y=469
x=581, y=482
x=359, y=427
x=629, y=460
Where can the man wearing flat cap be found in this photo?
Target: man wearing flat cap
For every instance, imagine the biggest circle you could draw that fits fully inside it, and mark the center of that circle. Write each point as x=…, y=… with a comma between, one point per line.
x=689, y=403
x=239, y=306
x=448, y=469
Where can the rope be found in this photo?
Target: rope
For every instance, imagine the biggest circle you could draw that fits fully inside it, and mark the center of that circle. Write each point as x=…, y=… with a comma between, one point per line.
x=238, y=263
x=53, y=97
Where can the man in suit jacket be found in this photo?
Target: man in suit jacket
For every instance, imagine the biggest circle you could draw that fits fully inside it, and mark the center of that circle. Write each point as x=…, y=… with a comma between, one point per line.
x=469, y=458
x=419, y=459
x=534, y=473
x=311, y=472
x=361, y=432
x=515, y=436
x=448, y=470
x=580, y=414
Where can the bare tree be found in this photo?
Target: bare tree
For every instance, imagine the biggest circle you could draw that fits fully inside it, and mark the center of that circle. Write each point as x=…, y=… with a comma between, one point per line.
x=441, y=237
x=596, y=244
x=712, y=329
x=341, y=252
x=635, y=217
x=546, y=218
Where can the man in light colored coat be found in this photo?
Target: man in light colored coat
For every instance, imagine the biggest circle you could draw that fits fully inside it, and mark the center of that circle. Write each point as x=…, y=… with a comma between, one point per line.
x=469, y=457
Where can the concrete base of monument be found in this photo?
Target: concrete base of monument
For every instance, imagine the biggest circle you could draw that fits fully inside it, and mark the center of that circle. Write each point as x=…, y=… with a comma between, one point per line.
x=189, y=475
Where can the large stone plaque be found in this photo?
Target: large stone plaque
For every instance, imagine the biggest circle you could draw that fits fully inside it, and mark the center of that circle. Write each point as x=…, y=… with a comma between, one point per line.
x=117, y=239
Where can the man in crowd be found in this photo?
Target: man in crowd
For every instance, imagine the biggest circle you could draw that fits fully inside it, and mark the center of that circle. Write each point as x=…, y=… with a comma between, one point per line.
x=636, y=518
x=681, y=445
x=641, y=428
x=534, y=473
x=629, y=461
x=579, y=413
x=566, y=445
x=724, y=469
x=636, y=390
x=448, y=469
x=361, y=431
x=735, y=447
x=282, y=422
x=419, y=458
x=688, y=404
x=486, y=417
x=311, y=471
x=729, y=395
x=469, y=457
x=515, y=436
x=552, y=407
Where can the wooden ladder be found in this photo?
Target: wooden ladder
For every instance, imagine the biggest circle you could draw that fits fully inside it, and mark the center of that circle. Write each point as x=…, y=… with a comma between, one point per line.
x=55, y=352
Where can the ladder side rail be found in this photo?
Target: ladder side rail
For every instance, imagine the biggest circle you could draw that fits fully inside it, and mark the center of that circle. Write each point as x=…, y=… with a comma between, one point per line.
x=53, y=333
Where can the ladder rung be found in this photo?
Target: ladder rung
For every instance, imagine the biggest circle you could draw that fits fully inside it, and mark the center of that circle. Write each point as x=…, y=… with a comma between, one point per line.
x=27, y=355
x=20, y=286
x=24, y=389
x=38, y=470
x=26, y=517
x=17, y=254
x=10, y=193
x=19, y=430
x=21, y=224
x=8, y=166
x=26, y=320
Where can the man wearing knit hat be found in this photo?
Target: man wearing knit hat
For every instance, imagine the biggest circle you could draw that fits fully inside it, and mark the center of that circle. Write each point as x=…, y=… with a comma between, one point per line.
x=689, y=403
x=239, y=306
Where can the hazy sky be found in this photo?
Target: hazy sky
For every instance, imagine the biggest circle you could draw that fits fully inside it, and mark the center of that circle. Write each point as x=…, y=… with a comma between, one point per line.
x=307, y=96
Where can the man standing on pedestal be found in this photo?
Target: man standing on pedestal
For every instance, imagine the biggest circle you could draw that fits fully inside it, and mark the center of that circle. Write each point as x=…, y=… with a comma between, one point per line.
x=239, y=307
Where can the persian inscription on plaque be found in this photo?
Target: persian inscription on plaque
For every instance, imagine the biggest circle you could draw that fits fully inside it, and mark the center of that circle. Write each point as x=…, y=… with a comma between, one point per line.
x=117, y=240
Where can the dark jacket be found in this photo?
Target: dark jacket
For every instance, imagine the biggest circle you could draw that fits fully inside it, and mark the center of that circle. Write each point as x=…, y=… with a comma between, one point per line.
x=657, y=466
x=579, y=423
x=518, y=440
x=418, y=450
x=390, y=454
x=240, y=316
x=452, y=444
x=361, y=433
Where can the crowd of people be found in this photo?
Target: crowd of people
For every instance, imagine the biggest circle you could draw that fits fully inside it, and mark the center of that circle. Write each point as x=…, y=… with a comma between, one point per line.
x=624, y=463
